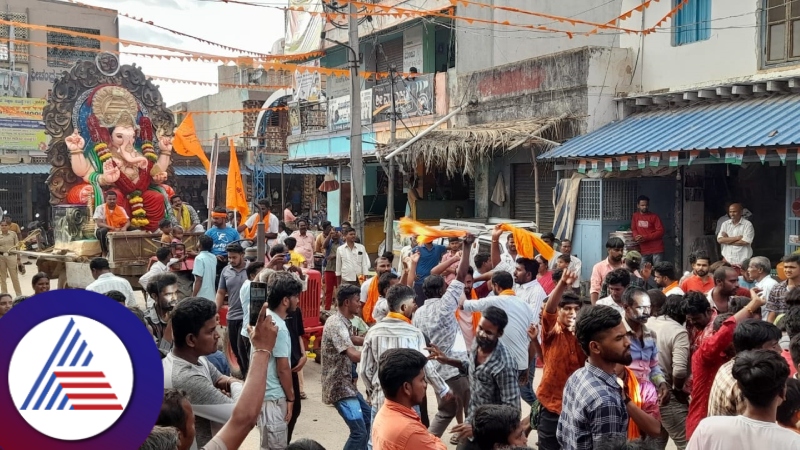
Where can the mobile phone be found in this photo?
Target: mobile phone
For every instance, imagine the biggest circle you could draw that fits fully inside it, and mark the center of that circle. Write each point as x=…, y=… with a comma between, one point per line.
x=258, y=296
x=287, y=257
x=339, y=229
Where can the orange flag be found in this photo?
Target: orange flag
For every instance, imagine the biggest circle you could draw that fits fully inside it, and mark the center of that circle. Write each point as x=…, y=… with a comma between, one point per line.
x=526, y=242
x=424, y=233
x=234, y=194
x=186, y=143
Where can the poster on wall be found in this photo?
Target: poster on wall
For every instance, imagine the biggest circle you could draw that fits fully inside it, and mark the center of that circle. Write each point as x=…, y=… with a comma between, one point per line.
x=13, y=83
x=413, y=98
x=338, y=113
x=303, y=27
x=307, y=84
x=21, y=125
x=412, y=49
x=294, y=117
x=337, y=86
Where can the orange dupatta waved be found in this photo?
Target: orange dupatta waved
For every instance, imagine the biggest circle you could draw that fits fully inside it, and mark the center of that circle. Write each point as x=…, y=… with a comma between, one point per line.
x=526, y=242
x=115, y=218
x=372, y=299
x=632, y=385
x=476, y=316
x=426, y=234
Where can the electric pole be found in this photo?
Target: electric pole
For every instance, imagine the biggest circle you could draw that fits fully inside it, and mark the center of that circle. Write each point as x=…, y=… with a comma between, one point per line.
x=390, y=175
x=356, y=157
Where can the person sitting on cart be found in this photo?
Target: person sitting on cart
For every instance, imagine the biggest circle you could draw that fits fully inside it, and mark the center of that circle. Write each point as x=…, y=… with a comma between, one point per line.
x=109, y=217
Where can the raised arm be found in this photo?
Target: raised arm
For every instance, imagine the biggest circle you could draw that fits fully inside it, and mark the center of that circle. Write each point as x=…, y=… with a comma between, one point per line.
x=566, y=282
x=495, y=251
x=248, y=407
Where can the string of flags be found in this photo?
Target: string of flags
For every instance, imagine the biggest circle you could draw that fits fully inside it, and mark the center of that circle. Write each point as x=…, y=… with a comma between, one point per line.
x=728, y=156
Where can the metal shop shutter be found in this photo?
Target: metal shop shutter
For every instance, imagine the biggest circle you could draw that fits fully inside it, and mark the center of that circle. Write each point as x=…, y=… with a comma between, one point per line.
x=523, y=204
x=392, y=54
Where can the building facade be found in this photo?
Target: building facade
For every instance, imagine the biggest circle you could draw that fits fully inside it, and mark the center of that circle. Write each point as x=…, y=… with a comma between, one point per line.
x=29, y=64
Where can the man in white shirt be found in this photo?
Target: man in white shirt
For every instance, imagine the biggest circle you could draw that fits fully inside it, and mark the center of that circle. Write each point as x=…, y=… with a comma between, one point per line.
x=520, y=317
x=531, y=292
x=265, y=215
x=161, y=265
x=759, y=271
x=352, y=260
x=105, y=281
x=382, y=265
x=618, y=280
x=736, y=236
x=761, y=375
x=574, y=263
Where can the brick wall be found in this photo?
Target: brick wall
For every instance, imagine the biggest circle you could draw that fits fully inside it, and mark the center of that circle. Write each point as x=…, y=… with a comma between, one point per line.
x=250, y=117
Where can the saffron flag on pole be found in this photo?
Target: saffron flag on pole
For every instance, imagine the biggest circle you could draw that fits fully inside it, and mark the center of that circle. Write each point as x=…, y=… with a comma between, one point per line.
x=186, y=143
x=235, y=198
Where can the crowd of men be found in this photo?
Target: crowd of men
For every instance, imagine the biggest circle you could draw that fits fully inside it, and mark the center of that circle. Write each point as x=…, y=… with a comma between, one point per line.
x=705, y=359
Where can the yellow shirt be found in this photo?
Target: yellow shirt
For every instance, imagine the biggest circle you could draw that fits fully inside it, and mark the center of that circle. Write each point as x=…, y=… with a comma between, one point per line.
x=296, y=259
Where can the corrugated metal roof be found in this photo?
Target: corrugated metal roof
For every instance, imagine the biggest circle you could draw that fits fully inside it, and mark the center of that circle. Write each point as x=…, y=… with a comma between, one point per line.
x=289, y=170
x=25, y=169
x=760, y=122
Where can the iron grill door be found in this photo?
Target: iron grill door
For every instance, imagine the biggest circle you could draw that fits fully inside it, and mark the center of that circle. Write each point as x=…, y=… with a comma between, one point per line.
x=523, y=205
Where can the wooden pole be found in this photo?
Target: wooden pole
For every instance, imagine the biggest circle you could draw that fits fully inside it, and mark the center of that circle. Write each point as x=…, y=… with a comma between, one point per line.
x=212, y=180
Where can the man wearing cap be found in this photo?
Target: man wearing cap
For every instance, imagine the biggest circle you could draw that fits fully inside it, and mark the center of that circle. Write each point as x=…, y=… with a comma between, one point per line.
x=639, y=276
x=648, y=231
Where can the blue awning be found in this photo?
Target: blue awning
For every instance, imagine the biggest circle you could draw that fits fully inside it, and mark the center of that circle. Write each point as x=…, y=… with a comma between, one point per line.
x=25, y=169
x=289, y=170
x=758, y=122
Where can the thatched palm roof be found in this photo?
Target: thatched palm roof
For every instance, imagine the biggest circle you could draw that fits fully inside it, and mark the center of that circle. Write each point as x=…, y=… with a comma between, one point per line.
x=461, y=150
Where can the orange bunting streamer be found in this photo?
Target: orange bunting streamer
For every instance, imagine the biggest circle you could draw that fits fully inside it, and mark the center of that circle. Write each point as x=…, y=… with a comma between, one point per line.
x=426, y=234
x=527, y=242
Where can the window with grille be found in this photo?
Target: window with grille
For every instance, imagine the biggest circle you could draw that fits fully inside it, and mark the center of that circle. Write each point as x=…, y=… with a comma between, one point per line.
x=589, y=200
x=619, y=199
x=20, y=34
x=59, y=56
x=692, y=22
x=782, y=33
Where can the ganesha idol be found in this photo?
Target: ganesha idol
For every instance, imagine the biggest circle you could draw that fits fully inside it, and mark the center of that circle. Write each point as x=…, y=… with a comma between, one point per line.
x=114, y=151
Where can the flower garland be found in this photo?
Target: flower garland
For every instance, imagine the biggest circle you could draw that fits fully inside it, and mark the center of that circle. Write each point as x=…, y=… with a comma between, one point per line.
x=136, y=201
x=103, y=153
x=149, y=152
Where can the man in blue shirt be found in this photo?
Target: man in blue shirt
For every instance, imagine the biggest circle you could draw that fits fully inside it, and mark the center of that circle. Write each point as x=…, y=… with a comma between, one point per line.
x=429, y=257
x=284, y=295
x=205, y=270
x=222, y=235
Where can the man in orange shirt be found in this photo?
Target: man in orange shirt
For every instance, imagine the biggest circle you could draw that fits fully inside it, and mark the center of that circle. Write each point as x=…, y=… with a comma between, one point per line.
x=562, y=356
x=397, y=426
x=700, y=280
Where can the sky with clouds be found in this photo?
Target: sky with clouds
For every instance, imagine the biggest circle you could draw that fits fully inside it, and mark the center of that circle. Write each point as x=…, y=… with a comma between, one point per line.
x=241, y=26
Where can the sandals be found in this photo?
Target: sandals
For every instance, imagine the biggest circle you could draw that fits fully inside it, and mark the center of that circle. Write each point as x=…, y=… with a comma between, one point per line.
x=454, y=439
x=303, y=396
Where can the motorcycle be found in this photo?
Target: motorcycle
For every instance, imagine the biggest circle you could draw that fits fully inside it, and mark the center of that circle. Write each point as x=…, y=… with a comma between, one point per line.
x=40, y=236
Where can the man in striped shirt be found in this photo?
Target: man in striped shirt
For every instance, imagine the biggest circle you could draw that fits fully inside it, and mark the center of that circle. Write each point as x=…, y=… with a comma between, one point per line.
x=395, y=331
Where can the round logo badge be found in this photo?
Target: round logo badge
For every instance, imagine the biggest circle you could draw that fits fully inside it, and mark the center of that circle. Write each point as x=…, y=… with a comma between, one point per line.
x=83, y=372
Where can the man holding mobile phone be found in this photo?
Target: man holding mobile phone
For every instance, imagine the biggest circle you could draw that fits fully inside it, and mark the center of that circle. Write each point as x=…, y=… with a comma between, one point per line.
x=230, y=285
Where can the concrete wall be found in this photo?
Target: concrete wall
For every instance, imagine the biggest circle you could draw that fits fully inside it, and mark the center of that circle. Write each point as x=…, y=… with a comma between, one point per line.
x=228, y=124
x=56, y=13
x=481, y=46
x=733, y=53
x=581, y=82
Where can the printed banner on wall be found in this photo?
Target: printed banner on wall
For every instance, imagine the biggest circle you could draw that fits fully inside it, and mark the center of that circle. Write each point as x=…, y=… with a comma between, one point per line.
x=13, y=83
x=304, y=30
x=307, y=85
x=413, y=98
x=21, y=125
x=339, y=111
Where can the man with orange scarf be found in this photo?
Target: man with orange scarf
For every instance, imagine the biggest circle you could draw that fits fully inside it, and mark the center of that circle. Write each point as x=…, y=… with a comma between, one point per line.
x=109, y=217
x=437, y=321
x=369, y=290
